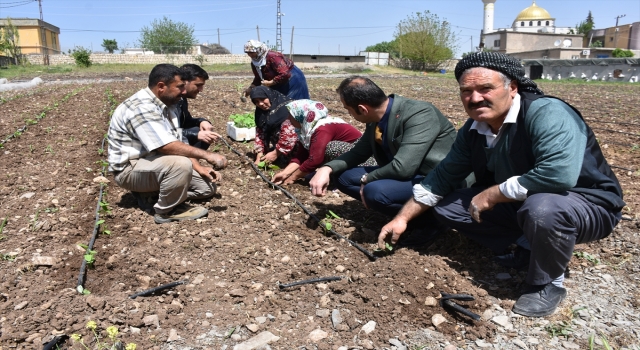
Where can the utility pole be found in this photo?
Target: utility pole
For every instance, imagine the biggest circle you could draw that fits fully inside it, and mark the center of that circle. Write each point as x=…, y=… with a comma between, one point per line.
x=291, y=48
x=279, y=29
x=615, y=41
x=471, y=43
x=45, y=51
x=218, y=36
x=258, y=31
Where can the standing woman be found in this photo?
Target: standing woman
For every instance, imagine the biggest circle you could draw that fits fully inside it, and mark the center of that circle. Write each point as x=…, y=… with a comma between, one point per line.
x=275, y=135
x=274, y=70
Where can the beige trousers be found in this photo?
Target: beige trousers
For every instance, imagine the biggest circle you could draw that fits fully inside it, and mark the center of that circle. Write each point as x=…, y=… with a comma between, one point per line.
x=172, y=176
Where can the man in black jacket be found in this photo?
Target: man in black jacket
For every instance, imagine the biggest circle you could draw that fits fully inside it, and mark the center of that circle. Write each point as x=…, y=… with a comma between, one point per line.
x=198, y=131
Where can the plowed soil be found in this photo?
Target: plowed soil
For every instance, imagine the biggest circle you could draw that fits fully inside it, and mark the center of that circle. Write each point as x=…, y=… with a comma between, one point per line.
x=253, y=239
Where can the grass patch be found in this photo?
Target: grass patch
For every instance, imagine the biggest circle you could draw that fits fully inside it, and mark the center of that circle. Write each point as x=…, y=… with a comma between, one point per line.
x=31, y=71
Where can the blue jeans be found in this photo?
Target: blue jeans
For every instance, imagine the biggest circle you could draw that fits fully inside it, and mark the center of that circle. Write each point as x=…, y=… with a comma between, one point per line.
x=387, y=196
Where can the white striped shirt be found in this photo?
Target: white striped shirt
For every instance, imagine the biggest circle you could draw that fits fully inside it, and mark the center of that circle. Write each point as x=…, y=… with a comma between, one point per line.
x=140, y=124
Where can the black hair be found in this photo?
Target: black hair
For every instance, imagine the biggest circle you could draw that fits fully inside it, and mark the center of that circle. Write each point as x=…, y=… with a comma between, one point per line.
x=165, y=73
x=192, y=71
x=357, y=90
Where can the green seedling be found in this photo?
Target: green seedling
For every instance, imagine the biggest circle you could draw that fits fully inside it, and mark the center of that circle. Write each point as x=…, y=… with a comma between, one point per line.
x=333, y=215
x=102, y=163
x=31, y=148
x=388, y=249
x=17, y=134
x=268, y=168
x=230, y=333
x=2, y=225
x=103, y=227
x=48, y=149
x=34, y=221
x=245, y=120
x=89, y=255
x=51, y=210
x=7, y=257
x=101, y=151
x=562, y=328
x=31, y=122
x=216, y=148
x=104, y=208
x=590, y=258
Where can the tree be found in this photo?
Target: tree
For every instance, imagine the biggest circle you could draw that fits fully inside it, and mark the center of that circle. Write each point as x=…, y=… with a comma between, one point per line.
x=424, y=38
x=82, y=56
x=621, y=53
x=9, y=41
x=391, y=47
x=584, y=27
x=218, y=49
x=110, y=45
x=167, y=36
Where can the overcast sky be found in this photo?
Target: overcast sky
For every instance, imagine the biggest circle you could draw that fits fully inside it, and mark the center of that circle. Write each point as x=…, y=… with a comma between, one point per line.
x=320, y=26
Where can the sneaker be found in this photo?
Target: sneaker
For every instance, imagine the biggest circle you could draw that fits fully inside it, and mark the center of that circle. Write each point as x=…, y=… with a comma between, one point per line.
x=146, y=200
x=539, y=301
x=518, y=260
x=181, y=212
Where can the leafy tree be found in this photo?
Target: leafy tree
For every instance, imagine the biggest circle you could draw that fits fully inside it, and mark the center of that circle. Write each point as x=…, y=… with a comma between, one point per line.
x=9, y=41
x=596, y=43
x=167, y=36
x=218, y=49
x=390, y=47
x=110, y=45
x=81, y=56
x=584, y=27
x=426, y=39
x=621, y=53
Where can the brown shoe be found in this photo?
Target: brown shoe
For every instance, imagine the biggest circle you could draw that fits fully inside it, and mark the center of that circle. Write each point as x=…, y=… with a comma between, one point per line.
x=182, y=212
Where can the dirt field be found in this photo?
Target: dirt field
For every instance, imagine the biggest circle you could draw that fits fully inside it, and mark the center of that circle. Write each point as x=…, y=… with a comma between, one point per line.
x=253, y=239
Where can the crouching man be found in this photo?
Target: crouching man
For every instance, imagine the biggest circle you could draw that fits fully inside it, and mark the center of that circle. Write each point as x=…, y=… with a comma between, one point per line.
x=541, y=179
x=147, y=152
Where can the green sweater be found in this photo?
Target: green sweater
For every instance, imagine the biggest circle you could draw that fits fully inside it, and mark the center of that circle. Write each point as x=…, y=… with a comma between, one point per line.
x=558, y=137
x=418, y=135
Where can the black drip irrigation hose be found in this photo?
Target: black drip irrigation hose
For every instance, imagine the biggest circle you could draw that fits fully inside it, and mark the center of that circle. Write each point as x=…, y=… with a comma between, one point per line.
x=157, y=289
x=313, y=280
x=20, y=130
x=307, y=211
x=55, y=342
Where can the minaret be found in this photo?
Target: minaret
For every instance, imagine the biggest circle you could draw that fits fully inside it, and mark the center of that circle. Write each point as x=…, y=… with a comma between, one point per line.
x=488, y=16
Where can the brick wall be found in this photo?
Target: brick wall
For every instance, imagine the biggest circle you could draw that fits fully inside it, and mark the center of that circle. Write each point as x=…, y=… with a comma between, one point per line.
x=143, y=59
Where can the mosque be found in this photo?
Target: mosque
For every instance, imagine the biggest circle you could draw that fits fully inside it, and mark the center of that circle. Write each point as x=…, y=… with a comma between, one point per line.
x=533, y=34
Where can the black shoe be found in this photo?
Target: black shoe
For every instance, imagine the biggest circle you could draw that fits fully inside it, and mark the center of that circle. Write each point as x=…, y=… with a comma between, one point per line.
x=539, y=301
x=518, y=260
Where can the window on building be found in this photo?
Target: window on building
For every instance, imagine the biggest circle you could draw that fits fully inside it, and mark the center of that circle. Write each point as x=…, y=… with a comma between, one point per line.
x=610, y=38
x=539, y=23
x=521, y=24
x=496, y=43
x=530, y=23
x=547, y=23
x=575, y=57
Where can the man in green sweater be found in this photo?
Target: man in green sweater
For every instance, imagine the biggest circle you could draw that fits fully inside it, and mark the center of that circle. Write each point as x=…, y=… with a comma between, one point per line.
x=407, y=138
x=541, y=179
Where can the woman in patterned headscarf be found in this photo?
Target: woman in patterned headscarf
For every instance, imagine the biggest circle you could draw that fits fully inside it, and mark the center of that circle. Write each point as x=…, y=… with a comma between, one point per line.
x=321, y=138
x=274, y=70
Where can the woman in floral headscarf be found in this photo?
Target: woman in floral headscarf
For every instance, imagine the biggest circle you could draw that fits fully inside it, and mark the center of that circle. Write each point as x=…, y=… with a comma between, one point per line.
x=321, y=138
x=274, y=70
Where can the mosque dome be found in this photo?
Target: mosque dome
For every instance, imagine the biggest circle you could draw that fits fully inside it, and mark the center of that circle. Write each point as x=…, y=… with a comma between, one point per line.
x=533, y=13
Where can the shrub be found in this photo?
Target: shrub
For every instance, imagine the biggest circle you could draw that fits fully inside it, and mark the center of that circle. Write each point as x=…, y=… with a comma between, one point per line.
x=621, y=53
x=82, y=56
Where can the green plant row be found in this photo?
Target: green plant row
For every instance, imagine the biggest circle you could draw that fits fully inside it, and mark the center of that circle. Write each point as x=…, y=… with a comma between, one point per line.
x=245, y=120
x=40, y=116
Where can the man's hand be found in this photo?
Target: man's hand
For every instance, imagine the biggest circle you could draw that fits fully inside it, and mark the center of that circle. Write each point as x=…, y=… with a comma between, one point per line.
x=280, y=178
x=268, y=83
x=206, y=126
x=270, y=157
x=207, y=173
x=486, y=200
x=320, y=181
x=208, y=136
x=217, y=160
x=395, y=228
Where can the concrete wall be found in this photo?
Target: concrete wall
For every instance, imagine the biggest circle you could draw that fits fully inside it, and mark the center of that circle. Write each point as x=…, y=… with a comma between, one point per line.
x=568, y=53
x=143, y=59
x=589, y=70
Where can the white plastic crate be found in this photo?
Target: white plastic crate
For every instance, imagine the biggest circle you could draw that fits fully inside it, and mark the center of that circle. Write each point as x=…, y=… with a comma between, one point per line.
x=240, y=134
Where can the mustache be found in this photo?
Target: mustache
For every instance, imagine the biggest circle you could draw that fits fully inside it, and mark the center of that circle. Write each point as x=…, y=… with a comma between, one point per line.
x=479, y=104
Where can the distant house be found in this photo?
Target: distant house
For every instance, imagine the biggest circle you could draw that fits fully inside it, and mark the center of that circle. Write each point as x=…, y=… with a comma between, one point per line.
x=201, y=50
x=625, y=36
x=36, y=36
x=137, y=51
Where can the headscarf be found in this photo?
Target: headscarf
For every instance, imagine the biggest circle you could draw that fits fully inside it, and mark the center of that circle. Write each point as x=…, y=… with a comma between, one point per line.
x=261, y=49
x=270, y=120
x=507, y=65
x=311, y=115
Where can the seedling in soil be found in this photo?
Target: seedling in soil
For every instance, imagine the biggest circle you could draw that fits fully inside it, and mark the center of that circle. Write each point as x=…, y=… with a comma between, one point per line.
x=48, y=149
x=48, y=130
x=101, y=151
x=562, y=328
x=230, y=333
x=103, y=227
x=7, y=257
x=34, y=221
x=89, y=255
x=388, y=249
x=268, y=168
x=590, y=258
x=31, y=149
x=104, y=208
x=51, y=210
x=2, y=225
x=102, y=163
x=603, y=339
x=112, y=334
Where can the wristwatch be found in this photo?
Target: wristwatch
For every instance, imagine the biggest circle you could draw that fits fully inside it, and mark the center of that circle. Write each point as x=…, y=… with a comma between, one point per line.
x=363, y=179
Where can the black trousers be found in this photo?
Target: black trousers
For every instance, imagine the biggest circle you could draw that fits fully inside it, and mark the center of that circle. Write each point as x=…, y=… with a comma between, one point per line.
x=552, y=223
x=197, y=143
